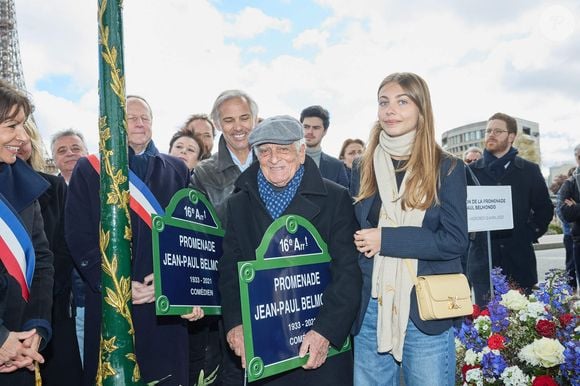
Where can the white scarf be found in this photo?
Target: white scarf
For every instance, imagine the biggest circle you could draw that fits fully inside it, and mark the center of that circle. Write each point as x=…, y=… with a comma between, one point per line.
x=391, y=281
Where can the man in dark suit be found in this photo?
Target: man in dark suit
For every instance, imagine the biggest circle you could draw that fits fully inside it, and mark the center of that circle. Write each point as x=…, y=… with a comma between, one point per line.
x=161, y=343
x=512, y=249
x=315, y=120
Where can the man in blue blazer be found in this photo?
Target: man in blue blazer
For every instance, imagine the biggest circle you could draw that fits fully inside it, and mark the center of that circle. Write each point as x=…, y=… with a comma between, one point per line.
x=315, y=120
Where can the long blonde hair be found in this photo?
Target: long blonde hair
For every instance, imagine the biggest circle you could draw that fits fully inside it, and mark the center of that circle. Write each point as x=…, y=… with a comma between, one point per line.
x=423, y=165
x=36, y=159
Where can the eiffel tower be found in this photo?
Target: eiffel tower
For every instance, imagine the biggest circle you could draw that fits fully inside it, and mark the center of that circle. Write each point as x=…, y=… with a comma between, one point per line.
x=10, y=64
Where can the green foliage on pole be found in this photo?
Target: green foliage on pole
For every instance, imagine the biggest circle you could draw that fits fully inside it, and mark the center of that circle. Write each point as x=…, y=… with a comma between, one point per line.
x=117, y=361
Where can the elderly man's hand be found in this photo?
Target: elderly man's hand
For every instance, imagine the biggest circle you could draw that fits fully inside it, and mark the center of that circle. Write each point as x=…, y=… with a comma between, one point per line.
x=235, y=338
x=196, y=314
x=317, y=346
x=143, y=292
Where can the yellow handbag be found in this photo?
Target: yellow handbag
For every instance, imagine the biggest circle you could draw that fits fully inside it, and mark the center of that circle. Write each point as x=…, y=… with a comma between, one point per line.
x=442, y=296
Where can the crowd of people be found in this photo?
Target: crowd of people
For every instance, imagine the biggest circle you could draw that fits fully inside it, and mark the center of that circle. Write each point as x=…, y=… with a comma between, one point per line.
x=387, y=208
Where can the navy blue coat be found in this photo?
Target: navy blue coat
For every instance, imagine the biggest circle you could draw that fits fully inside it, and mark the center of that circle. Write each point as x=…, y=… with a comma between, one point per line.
x=160, y=342
x=20, y=187
x=512, y=249
x=333, y=170
x=62, y=359
x=438, y=244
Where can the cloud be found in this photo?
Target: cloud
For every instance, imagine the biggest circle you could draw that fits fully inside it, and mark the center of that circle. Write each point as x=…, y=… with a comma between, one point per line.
x=181, y=54
x=251, y=22
x=311, y=37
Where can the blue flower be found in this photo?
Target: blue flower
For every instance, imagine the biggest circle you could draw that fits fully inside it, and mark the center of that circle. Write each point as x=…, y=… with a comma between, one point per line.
x=469, y=336
x=500, y=285
x=571, y=366
x=492, y=365
x=498, y=315
x=555, y=291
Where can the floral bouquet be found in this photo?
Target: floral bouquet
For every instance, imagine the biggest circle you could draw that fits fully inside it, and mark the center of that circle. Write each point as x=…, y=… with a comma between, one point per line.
x=522, y=340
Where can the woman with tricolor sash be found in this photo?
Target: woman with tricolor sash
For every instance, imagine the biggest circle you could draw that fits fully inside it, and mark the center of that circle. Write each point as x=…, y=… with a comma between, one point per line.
x=26, y=271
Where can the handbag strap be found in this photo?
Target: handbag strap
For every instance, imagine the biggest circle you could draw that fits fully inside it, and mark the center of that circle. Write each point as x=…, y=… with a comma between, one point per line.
x=473, y=177
x=411, y=271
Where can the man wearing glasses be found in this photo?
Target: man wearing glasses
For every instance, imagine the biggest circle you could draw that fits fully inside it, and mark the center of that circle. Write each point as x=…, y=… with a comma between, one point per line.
x=532, y=210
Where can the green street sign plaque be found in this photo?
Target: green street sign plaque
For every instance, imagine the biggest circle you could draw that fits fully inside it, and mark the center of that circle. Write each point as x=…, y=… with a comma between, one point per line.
x=187, y=246
x=281, y=295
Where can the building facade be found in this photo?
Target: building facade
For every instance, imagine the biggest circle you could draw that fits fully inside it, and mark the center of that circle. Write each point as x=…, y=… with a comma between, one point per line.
x=459, y=139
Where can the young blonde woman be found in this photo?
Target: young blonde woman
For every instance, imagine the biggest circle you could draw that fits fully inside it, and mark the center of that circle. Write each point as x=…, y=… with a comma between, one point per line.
x=410, y=202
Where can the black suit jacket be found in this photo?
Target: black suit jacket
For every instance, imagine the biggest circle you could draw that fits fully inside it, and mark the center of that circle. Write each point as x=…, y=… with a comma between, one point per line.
x=512, y=249
x=333, y=170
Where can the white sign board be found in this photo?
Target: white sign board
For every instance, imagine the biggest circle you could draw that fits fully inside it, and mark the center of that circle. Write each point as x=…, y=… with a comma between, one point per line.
x=489, y=208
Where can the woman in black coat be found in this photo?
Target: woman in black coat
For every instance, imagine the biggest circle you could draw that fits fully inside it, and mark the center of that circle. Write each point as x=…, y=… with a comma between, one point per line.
x=63, y=361
x=26, y=271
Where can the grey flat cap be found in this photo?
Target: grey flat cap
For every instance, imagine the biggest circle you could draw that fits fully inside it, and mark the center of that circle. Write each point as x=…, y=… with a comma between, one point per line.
x=280, y=129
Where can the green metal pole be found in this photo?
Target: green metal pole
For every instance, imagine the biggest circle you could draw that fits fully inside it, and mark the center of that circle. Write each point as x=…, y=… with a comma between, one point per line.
x=117, y=360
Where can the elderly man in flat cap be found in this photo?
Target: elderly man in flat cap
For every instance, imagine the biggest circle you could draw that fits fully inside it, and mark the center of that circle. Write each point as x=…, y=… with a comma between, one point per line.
x=285, y=181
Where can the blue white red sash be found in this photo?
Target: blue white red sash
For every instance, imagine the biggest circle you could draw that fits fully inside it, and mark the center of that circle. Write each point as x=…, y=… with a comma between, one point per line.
x=16, y=249
x=142, y=201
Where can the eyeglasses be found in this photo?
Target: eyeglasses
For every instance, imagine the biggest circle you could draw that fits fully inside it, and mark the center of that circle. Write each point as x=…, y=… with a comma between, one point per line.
x=495, y=131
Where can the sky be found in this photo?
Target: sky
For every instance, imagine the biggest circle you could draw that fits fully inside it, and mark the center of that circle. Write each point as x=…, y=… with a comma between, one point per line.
x=520, y=57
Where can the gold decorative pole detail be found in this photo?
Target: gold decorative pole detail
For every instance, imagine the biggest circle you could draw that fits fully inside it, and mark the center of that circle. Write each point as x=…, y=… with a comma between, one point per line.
x=117, y=360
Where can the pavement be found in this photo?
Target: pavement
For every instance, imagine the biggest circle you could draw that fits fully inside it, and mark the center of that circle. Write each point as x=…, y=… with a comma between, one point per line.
x=549, y=242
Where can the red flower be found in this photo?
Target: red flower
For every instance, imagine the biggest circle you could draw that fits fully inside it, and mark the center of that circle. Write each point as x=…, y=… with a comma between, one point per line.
x=476, y=311
x=546, y=328
x=495, y=342
x=484, y=312
x=565, y=319
x=466, y=368
x=544, y=380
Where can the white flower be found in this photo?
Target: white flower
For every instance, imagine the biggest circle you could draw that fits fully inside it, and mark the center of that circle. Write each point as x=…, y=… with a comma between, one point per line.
x=527, y=355
x=514, y=376
x=483, y=326
x=545, y=352
x=514, y=300
x=474, y=376
x=533, y=310
x=576, y=307
x=472, y=358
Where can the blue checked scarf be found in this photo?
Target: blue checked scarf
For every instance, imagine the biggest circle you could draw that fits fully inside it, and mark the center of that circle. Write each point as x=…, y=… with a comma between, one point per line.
x=277, y=201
